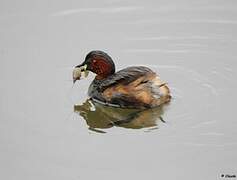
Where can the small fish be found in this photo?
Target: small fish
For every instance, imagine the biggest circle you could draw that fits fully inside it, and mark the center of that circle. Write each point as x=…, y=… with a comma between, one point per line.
x=78, y=73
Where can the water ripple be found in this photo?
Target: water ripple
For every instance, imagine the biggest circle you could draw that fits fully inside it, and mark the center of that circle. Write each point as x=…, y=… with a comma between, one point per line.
x=204, y=144
x=162, y=51
x=96, y=10
x=193, y=37
x=212, y=134
x=184, y=21
x=203, y=124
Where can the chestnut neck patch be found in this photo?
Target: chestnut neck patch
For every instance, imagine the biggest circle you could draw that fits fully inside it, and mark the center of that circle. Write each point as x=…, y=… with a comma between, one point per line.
x=102, y=68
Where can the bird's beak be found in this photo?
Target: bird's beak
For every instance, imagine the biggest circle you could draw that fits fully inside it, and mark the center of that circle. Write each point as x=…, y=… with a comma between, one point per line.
x=77, y=72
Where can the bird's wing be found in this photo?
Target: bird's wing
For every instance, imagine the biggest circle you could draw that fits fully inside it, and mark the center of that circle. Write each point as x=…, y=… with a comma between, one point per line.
x=125, y=76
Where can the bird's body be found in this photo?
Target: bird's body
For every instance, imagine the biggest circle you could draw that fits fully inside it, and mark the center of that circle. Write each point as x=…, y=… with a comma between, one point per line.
x=132, y=87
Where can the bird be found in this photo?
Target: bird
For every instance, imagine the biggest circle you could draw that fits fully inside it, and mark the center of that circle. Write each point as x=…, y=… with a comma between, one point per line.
x=136, y=87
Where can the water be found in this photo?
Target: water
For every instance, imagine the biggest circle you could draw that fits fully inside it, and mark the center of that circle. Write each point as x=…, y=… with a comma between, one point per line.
x=192, y=46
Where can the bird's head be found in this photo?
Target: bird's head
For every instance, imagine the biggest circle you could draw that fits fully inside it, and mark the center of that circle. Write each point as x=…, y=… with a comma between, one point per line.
x=97, y=62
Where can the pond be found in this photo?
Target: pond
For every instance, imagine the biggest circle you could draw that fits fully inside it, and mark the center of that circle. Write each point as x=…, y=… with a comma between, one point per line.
x=49, y=128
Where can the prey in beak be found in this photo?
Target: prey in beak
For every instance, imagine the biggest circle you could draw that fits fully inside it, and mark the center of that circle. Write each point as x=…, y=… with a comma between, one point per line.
x=78, y=71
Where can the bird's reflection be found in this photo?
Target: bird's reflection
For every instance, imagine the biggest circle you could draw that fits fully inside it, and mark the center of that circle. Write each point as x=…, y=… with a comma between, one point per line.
x=99, y=117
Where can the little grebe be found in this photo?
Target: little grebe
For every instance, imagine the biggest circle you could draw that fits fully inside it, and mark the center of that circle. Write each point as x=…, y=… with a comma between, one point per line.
x=132, y=87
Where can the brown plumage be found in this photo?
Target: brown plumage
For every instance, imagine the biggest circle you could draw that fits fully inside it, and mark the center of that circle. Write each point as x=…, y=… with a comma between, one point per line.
x=132, y=87
x=144, y=89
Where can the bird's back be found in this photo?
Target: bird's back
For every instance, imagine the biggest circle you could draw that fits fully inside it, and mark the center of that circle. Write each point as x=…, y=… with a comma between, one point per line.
x=132, y=87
